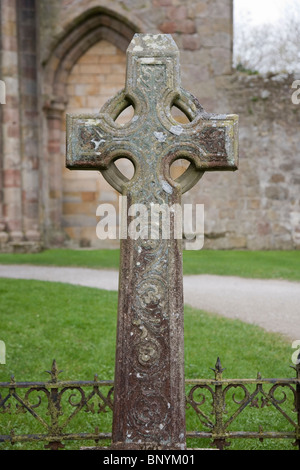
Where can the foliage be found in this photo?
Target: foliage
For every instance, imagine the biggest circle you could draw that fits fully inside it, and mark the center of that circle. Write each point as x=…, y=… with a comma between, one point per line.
x=268, y=47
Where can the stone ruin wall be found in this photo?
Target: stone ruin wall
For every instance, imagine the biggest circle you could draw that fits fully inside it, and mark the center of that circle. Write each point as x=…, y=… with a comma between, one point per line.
x=254, y=208
x=258, y=207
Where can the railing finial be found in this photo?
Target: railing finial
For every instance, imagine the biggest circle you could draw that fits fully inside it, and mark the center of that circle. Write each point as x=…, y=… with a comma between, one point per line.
x=54, y=372
x=218, y=370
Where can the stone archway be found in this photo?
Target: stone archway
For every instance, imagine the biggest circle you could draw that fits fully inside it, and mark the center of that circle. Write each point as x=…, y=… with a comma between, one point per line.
x=92, y=27
x=97, y=76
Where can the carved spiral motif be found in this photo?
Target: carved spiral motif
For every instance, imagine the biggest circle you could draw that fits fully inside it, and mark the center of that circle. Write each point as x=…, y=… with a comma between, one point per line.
x=150, y=356
x=148, y=352
x=150, y=412
x=151, y=294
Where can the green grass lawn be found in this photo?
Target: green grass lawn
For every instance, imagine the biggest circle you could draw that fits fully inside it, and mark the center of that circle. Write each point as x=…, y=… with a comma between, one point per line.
x=42, y=321
x=252, y=264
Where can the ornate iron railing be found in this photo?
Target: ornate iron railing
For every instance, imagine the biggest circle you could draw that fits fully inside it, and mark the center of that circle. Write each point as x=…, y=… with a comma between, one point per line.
x=256, y=393
x=54, y=405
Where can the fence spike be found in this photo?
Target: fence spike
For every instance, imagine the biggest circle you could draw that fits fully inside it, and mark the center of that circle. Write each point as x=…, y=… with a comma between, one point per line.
x=54, y=372
x=218, y=370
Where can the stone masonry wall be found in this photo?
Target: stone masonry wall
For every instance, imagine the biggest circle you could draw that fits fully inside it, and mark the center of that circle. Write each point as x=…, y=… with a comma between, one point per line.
x=203, y=33
x=201, y=29
x=88, y=90
x=75, y=60
x=258, y=207
x=20, y=207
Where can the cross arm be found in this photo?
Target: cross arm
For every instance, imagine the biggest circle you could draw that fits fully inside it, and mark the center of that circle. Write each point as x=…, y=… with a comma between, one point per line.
x=209, y=143
x=218, y=143
x=94, y=143
x=86, y=142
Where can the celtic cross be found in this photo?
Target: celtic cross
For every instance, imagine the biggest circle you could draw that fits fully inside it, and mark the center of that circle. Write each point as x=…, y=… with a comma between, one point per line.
x=149, y=396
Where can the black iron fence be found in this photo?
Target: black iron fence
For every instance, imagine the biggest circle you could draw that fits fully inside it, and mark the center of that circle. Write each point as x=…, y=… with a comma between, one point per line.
x=58, y=411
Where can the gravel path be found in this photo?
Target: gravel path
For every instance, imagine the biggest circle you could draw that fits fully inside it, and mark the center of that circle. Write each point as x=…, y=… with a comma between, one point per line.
x=272, y=304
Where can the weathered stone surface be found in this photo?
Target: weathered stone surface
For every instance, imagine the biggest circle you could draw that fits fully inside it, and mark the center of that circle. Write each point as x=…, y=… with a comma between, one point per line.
x=149, y=403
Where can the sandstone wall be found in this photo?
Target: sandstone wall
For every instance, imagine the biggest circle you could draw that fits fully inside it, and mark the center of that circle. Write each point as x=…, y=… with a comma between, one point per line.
x=258, y=206
x=201, y=28
x=69, y=56
x=97, y=76
x=20, y=198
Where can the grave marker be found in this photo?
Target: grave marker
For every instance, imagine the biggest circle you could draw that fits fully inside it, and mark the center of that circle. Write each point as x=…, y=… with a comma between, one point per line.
x=149, y=397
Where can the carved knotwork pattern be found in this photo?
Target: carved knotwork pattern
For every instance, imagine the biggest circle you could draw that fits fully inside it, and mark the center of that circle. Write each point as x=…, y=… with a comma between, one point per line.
x=153, y=77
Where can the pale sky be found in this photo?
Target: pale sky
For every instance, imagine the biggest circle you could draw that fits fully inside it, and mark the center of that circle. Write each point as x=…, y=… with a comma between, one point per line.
x=264, y=11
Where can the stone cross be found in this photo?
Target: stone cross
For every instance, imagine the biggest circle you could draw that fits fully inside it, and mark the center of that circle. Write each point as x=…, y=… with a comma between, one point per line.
x=149, y=395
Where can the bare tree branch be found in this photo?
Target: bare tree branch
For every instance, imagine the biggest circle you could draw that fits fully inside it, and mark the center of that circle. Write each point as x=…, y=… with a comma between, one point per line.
x=269, y=47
